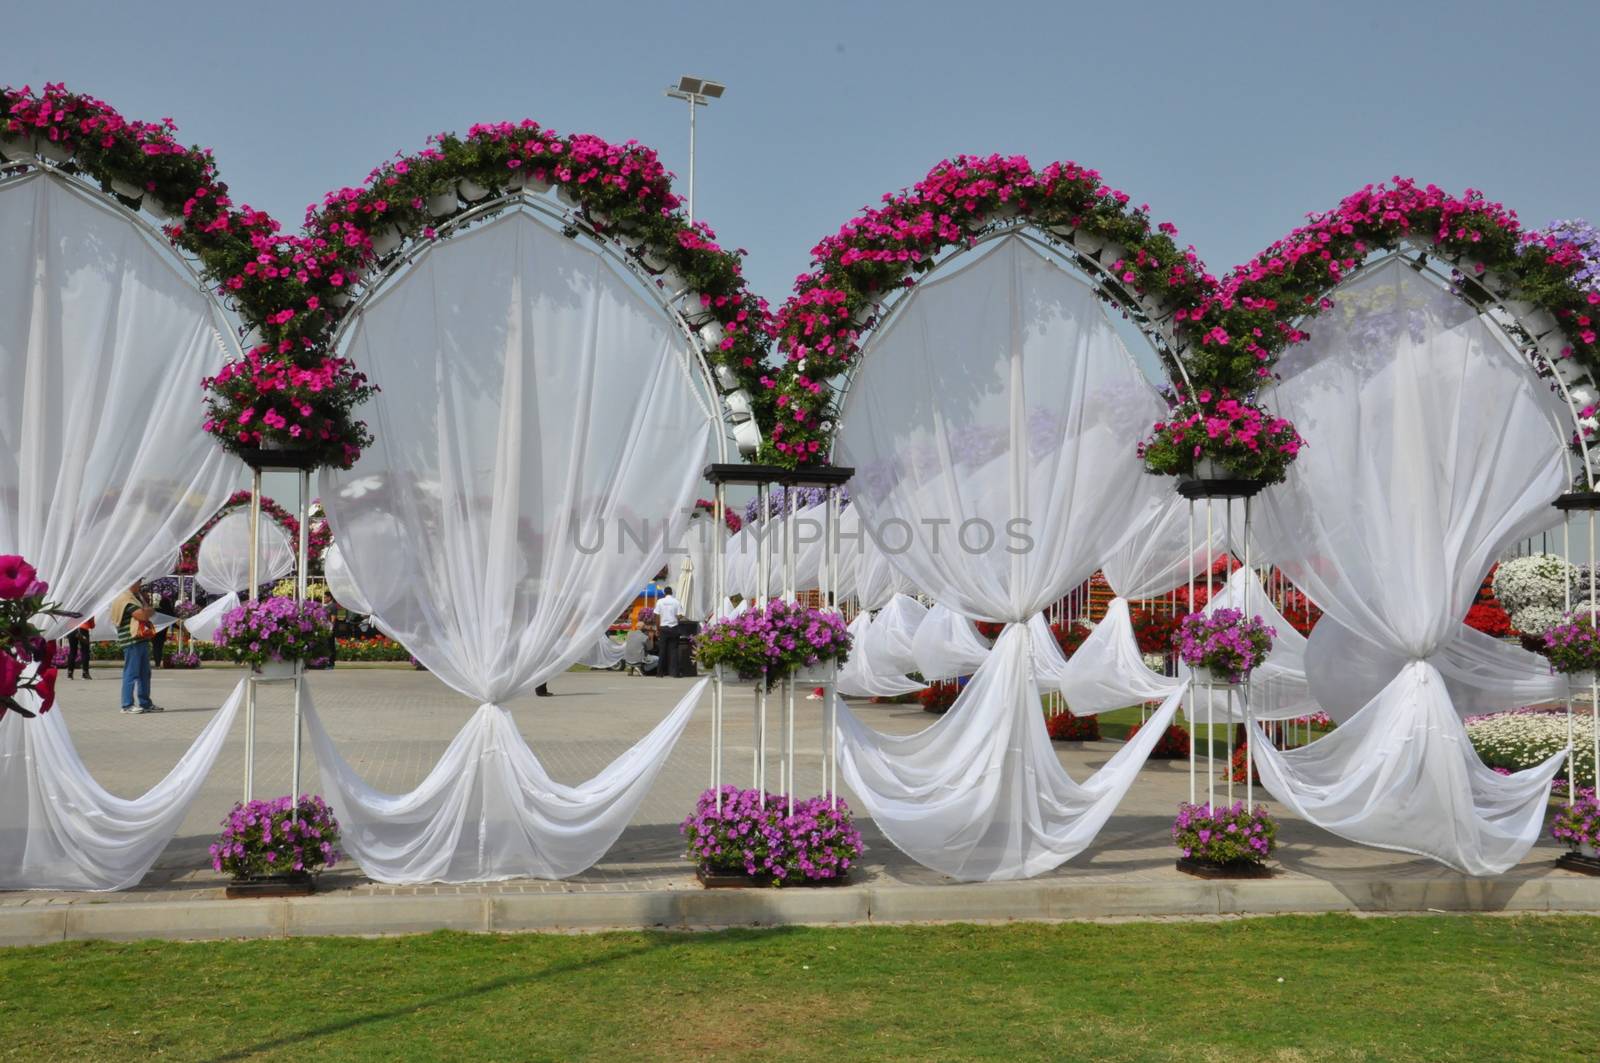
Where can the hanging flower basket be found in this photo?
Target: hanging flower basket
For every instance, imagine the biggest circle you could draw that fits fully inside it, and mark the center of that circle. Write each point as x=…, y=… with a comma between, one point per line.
x=274, y=632
x=770, y=643
x=746, y=843
x=1220, y=446
x=1224, y=842
x=278, y=457
x=1573, y=648
x=1221, y=647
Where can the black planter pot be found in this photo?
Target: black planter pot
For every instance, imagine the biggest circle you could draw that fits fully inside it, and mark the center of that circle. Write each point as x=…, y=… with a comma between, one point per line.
x=268, y=458
x=1576, y=861
x=290, y=884
x=1211, y=869
x=713, y=879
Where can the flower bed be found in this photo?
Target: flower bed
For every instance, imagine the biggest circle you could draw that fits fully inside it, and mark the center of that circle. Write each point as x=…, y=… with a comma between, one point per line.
x=1172, y=745
x=1224, y=642
x=22, y=645
x=938, y=697
x=766, y=644
x=1236, y=766
x=1225, y=835
x=1525, y=738
x=376, y=648
x=267, y=838
x=274, y=629
x=181, y=661
x=817, y=844
x=1065, y=727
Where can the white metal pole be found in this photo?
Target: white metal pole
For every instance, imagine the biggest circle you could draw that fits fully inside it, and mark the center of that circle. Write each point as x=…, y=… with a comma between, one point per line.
x=250, y=683
x=301, y=586
x=691, y=157
x=1211, y=767
x=1249, y=721
x=1194, y=735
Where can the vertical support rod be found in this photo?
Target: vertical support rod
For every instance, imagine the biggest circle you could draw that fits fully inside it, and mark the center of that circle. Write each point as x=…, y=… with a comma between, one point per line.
x=1194, y=736
x=302, y=583
x=250, y=683
x=1249, y=720
x=719, y=585
x=1211, y=765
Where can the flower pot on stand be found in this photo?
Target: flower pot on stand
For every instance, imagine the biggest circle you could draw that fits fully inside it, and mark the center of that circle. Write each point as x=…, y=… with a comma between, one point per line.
x=1581, y=682
x=1208, y=677
x=470, y=190
x=16, y=146
x=276, y=670
x=127, y=189
x=1212, y=869
x=386, y=241
x=817, y=674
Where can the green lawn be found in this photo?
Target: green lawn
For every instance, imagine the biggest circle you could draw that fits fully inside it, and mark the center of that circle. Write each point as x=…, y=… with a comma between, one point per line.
x=1285, y=989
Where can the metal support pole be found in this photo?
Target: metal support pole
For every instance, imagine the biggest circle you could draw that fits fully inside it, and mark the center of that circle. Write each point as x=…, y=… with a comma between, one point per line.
x=1211, y=767
x=250, y=683
x=1249, y=720
x=302, y=583
x=1194, y=736
x=719, y=586
x=691, y=159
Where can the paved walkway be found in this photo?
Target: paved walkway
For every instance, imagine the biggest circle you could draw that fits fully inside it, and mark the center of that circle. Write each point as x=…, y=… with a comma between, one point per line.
x=392, y=724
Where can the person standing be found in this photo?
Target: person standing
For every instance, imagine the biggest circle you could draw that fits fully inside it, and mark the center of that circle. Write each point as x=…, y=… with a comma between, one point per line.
x=78, y=647
x=158, y=646
x=668, y=612
x=133, y=614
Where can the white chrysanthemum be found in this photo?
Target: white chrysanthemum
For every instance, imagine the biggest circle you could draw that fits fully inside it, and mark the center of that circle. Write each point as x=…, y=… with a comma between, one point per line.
x=1535, y=580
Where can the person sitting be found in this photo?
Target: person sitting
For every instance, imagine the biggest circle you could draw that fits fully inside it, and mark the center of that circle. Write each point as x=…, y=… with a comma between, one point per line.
x=636, y=655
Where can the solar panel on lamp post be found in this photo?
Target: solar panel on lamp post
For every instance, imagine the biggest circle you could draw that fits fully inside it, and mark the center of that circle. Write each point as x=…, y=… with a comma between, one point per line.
x=698, y=92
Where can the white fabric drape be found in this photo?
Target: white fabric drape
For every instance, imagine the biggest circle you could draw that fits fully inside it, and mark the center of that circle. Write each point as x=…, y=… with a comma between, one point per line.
x=891, y=639
x=341, y=584
x=1482, y=673
x=1431, y=449
x=605, y=653
x=225, y=553
x=61, y=830
x=863, y=675
x=947, y=645
x=104, y=472
x=536, y=419
x=489, y=810
x=1108, y=672
x=877, y=579
x=994, y=420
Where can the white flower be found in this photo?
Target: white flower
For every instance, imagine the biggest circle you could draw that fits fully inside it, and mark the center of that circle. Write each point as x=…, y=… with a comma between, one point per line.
x=1538, y=579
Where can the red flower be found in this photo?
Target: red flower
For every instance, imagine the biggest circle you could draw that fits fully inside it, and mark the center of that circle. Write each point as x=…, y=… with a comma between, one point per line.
x=45, y=687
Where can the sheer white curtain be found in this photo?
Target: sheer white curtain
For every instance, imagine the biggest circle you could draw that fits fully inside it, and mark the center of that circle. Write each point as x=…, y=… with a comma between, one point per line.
x=104, y=472
x=1431, y=449
x=536, y=415
x=225, y=565
x=1482, y=673
x=947, y=645
x=341, y=584
x=995, y=418
x=863, y=675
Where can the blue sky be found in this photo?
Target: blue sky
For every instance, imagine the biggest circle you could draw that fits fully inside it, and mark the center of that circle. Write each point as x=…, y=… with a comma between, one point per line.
x=1231, y=120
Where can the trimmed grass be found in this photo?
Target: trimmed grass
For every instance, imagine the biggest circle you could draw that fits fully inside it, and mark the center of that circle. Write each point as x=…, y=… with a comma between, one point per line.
x=1286, y=989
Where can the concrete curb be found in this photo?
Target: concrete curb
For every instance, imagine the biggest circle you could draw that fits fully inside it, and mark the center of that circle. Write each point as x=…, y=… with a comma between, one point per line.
x=343, y=913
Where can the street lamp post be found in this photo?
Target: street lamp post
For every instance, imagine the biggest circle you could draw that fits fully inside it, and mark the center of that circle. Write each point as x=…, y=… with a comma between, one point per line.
x=698, y=92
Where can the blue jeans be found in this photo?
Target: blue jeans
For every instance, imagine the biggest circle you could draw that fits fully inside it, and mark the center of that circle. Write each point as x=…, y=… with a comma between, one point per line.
x=136, y=669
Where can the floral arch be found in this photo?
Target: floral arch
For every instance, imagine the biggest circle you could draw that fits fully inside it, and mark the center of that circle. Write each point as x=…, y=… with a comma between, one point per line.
x=318, y=536
x=292, y=292
x=1218, y=339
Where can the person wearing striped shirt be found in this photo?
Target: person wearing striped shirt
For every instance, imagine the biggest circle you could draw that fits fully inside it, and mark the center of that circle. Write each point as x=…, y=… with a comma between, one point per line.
x=132, y=614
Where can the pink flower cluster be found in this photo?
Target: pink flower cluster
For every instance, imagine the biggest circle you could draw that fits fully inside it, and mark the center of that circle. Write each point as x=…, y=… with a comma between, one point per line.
x=1578, y=824
x=1225, y=834
x=881, y=249
x=22, y=645
x=767, y=643
x=1222, y=640
x=816, y=842
x=277, y=837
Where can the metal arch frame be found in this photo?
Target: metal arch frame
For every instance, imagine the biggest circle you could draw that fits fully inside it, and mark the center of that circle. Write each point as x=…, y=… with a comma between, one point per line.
x=571, y=223
x=1101, y=278
x=22, y=171
x=1419, y=258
